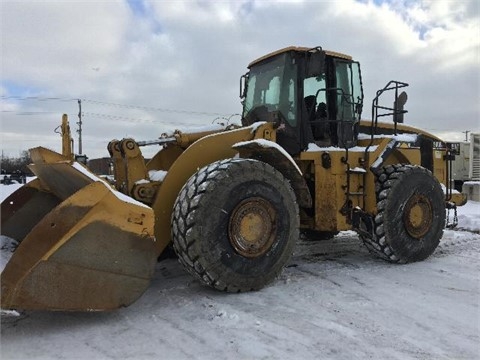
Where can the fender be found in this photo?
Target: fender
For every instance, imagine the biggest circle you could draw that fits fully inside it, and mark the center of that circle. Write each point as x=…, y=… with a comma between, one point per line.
x=272, y=154
x=202, y=152
x=389, y=129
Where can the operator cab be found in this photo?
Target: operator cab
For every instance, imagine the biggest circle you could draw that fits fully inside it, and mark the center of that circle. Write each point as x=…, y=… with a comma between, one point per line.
x=312, y=95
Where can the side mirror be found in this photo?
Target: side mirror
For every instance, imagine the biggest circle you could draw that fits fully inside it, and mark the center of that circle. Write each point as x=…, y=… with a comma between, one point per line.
x=316, y=64
x=398, y=107
x=243, y=86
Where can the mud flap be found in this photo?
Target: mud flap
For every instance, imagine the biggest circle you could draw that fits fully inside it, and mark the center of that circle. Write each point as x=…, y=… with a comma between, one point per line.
x=93, y=251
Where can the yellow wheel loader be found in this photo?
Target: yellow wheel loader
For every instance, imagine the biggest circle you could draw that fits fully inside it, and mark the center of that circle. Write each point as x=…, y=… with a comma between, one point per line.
x=232, y=199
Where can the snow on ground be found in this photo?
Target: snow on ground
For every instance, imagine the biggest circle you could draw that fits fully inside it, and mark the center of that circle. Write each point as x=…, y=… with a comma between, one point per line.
x=469, y=216
x=333, y=301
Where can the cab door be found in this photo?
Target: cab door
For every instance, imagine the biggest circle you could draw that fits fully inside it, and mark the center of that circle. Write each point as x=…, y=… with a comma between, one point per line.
x=348, y=98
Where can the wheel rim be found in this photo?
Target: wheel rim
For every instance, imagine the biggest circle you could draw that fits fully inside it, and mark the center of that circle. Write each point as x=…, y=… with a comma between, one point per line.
x=252, y=228
x=418, y=216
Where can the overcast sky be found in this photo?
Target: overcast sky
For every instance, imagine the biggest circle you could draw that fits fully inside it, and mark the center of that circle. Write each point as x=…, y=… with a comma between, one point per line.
x=144, y=67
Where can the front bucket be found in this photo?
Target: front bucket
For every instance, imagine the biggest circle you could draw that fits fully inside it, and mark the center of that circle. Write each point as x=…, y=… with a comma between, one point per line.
x=94, y=250
x=24, y=208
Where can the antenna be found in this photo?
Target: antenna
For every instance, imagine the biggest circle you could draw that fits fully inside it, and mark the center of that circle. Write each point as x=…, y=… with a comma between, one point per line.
x=466, y=134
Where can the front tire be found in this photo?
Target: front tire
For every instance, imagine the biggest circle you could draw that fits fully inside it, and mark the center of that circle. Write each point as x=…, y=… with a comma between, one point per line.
x=234, y=224
x=410, y=214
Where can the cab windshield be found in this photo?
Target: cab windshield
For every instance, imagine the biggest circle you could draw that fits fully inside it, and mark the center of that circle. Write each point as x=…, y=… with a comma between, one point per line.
x=271, y=87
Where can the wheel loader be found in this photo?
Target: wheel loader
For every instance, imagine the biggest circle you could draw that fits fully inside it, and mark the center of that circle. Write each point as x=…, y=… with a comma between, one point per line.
x=232, y=200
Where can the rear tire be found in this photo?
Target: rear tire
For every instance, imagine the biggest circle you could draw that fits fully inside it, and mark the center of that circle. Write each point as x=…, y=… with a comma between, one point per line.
x=234, y=224
x=411, y=214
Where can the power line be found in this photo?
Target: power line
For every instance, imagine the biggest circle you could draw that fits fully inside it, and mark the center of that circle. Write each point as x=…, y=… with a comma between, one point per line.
x=112, y=117
x=151, y=121
x=117, y=117
x=37, y=140
x=148, y=108
x=39, y=98
x=124, y=106
x=29, y=113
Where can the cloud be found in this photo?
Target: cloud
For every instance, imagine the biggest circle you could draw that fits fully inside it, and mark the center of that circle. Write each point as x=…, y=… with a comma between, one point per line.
x=184, y=59
x=54, y=45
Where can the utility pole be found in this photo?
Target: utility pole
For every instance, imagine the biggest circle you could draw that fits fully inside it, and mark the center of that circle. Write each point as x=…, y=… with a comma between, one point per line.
x=466, y=134
x=79, y=127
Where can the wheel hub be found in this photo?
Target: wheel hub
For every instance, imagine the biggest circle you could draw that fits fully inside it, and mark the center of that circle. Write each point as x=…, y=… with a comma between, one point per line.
x=418, y=216
x=252, y=228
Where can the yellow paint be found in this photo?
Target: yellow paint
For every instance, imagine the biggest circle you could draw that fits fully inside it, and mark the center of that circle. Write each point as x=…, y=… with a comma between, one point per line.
x=297, y=49
x=202, y=152
x=251, y=228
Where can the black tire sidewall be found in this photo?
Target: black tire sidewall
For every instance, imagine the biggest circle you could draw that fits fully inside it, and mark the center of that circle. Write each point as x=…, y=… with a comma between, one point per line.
x=414, y=181
x=242, y=180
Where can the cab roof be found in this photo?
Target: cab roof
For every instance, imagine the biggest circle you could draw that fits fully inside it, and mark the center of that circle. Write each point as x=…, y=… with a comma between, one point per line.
x=297, y=49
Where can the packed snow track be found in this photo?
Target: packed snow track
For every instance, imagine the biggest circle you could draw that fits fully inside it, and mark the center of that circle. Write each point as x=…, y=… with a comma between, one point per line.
x=333, y=301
